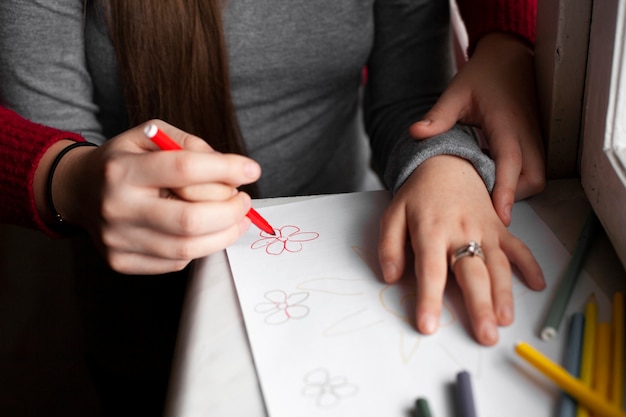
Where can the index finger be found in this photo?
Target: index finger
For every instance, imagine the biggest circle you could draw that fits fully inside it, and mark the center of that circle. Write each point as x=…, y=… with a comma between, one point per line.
x=179, y=137
x=178, y=169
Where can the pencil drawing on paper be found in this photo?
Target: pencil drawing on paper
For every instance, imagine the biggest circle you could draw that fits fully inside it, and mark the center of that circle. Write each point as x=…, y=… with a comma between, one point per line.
x=281, y=307
x=472, y=358
x=397, y=300
x=333, y=285
x=321, y=320
x=408, y=345
x=287, y=239
x=370, y=260
x=327, y=391
x=352, y=323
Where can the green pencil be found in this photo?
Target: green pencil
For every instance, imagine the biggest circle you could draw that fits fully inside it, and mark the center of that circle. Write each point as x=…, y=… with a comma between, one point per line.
x=564, y=291
x=421, y=408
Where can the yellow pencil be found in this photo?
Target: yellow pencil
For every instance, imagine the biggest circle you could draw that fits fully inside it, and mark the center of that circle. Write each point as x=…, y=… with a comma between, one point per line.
x=588, y=354
x=617, y=376
x=573, y=386
x=602, y=371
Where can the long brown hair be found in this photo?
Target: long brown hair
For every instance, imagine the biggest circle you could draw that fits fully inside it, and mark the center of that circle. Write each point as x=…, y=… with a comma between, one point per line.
x=173, y=66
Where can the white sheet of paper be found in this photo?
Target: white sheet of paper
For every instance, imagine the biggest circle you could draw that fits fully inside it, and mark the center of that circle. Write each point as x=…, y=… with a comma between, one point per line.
x=330, y=338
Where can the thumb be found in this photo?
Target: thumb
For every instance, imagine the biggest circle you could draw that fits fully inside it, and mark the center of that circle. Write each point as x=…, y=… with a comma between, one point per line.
x=440, y=118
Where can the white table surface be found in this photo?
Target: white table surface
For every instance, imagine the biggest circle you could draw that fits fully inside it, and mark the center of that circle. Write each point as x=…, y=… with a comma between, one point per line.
x=213, y=373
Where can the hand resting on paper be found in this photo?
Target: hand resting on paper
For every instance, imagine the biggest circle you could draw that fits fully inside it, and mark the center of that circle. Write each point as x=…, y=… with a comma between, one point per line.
x=495, y=90
x=443, y=206
x=121, y=194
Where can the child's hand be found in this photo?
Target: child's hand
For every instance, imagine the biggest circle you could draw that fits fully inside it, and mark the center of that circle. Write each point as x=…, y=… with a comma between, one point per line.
x=443, y=206
x=152, y=211
x=495, y=90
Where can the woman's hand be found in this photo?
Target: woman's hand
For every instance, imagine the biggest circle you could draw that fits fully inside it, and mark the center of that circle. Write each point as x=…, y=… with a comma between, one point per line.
x=443, y=206
x=152, y=211
x=495, y=90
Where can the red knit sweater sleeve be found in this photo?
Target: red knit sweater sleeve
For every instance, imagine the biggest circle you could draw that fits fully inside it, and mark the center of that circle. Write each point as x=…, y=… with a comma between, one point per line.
x=517, y=17
x=22, y=144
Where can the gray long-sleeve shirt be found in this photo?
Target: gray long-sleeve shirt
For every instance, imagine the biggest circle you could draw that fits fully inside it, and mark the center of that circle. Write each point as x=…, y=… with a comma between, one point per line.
x=295, y=70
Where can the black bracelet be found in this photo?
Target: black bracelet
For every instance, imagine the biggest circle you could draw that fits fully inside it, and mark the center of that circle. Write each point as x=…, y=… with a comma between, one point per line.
x=59, y=220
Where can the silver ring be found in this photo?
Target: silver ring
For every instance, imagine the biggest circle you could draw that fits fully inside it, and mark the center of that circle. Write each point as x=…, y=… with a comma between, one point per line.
x=472, y=249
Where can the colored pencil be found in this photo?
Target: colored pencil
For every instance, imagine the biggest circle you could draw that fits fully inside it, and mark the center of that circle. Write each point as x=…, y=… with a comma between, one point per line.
x=589, y=348
x=571, y=362
x=551, y=324
x=602, y=372
x=598, y=405
x=464, y=395
x=617, y=376
x=421, y=408
x=167, y=144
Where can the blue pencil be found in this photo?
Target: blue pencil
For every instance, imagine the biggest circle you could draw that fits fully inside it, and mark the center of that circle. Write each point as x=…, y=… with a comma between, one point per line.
x=571, y=362
x=464, y=396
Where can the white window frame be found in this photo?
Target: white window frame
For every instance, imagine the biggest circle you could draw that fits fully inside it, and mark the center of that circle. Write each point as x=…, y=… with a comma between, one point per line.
x=603, y=159
x=580, y=54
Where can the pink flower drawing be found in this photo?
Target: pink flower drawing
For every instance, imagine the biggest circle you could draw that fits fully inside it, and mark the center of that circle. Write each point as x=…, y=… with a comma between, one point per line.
x=288, y=238
x=280, y=307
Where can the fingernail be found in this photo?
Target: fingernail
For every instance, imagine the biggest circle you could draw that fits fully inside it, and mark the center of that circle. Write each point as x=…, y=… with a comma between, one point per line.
x=507, y=211
x=428, y=323
x=389, y=271
x=252, y=170
x=489, y=333
x=506, y=314
x=425, y=122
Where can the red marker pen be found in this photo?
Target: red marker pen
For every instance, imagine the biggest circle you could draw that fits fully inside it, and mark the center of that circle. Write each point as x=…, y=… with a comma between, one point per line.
x=167, y=144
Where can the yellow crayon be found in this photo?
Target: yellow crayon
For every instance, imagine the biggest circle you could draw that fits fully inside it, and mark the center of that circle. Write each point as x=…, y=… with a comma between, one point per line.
x=594, y=402
x=602, y=371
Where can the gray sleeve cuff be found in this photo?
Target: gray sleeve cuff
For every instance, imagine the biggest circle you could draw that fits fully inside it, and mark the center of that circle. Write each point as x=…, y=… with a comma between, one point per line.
x=409, y=153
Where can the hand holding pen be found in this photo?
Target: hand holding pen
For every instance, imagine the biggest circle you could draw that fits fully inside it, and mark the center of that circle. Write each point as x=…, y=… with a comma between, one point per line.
x=119, y=193
x=167, y=144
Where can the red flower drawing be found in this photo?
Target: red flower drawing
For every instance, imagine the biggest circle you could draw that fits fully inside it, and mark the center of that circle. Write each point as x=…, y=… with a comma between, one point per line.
x=288, y=238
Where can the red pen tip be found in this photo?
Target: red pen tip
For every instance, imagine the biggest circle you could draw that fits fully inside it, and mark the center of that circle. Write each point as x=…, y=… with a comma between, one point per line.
x=260, y=222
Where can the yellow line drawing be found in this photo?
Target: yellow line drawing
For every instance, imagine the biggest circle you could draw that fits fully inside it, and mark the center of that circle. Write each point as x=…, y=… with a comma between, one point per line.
x=352, y=320
x=370, y=260
x=477, y=371
x=405, y=307
x=407, y=356
x=448, y=316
